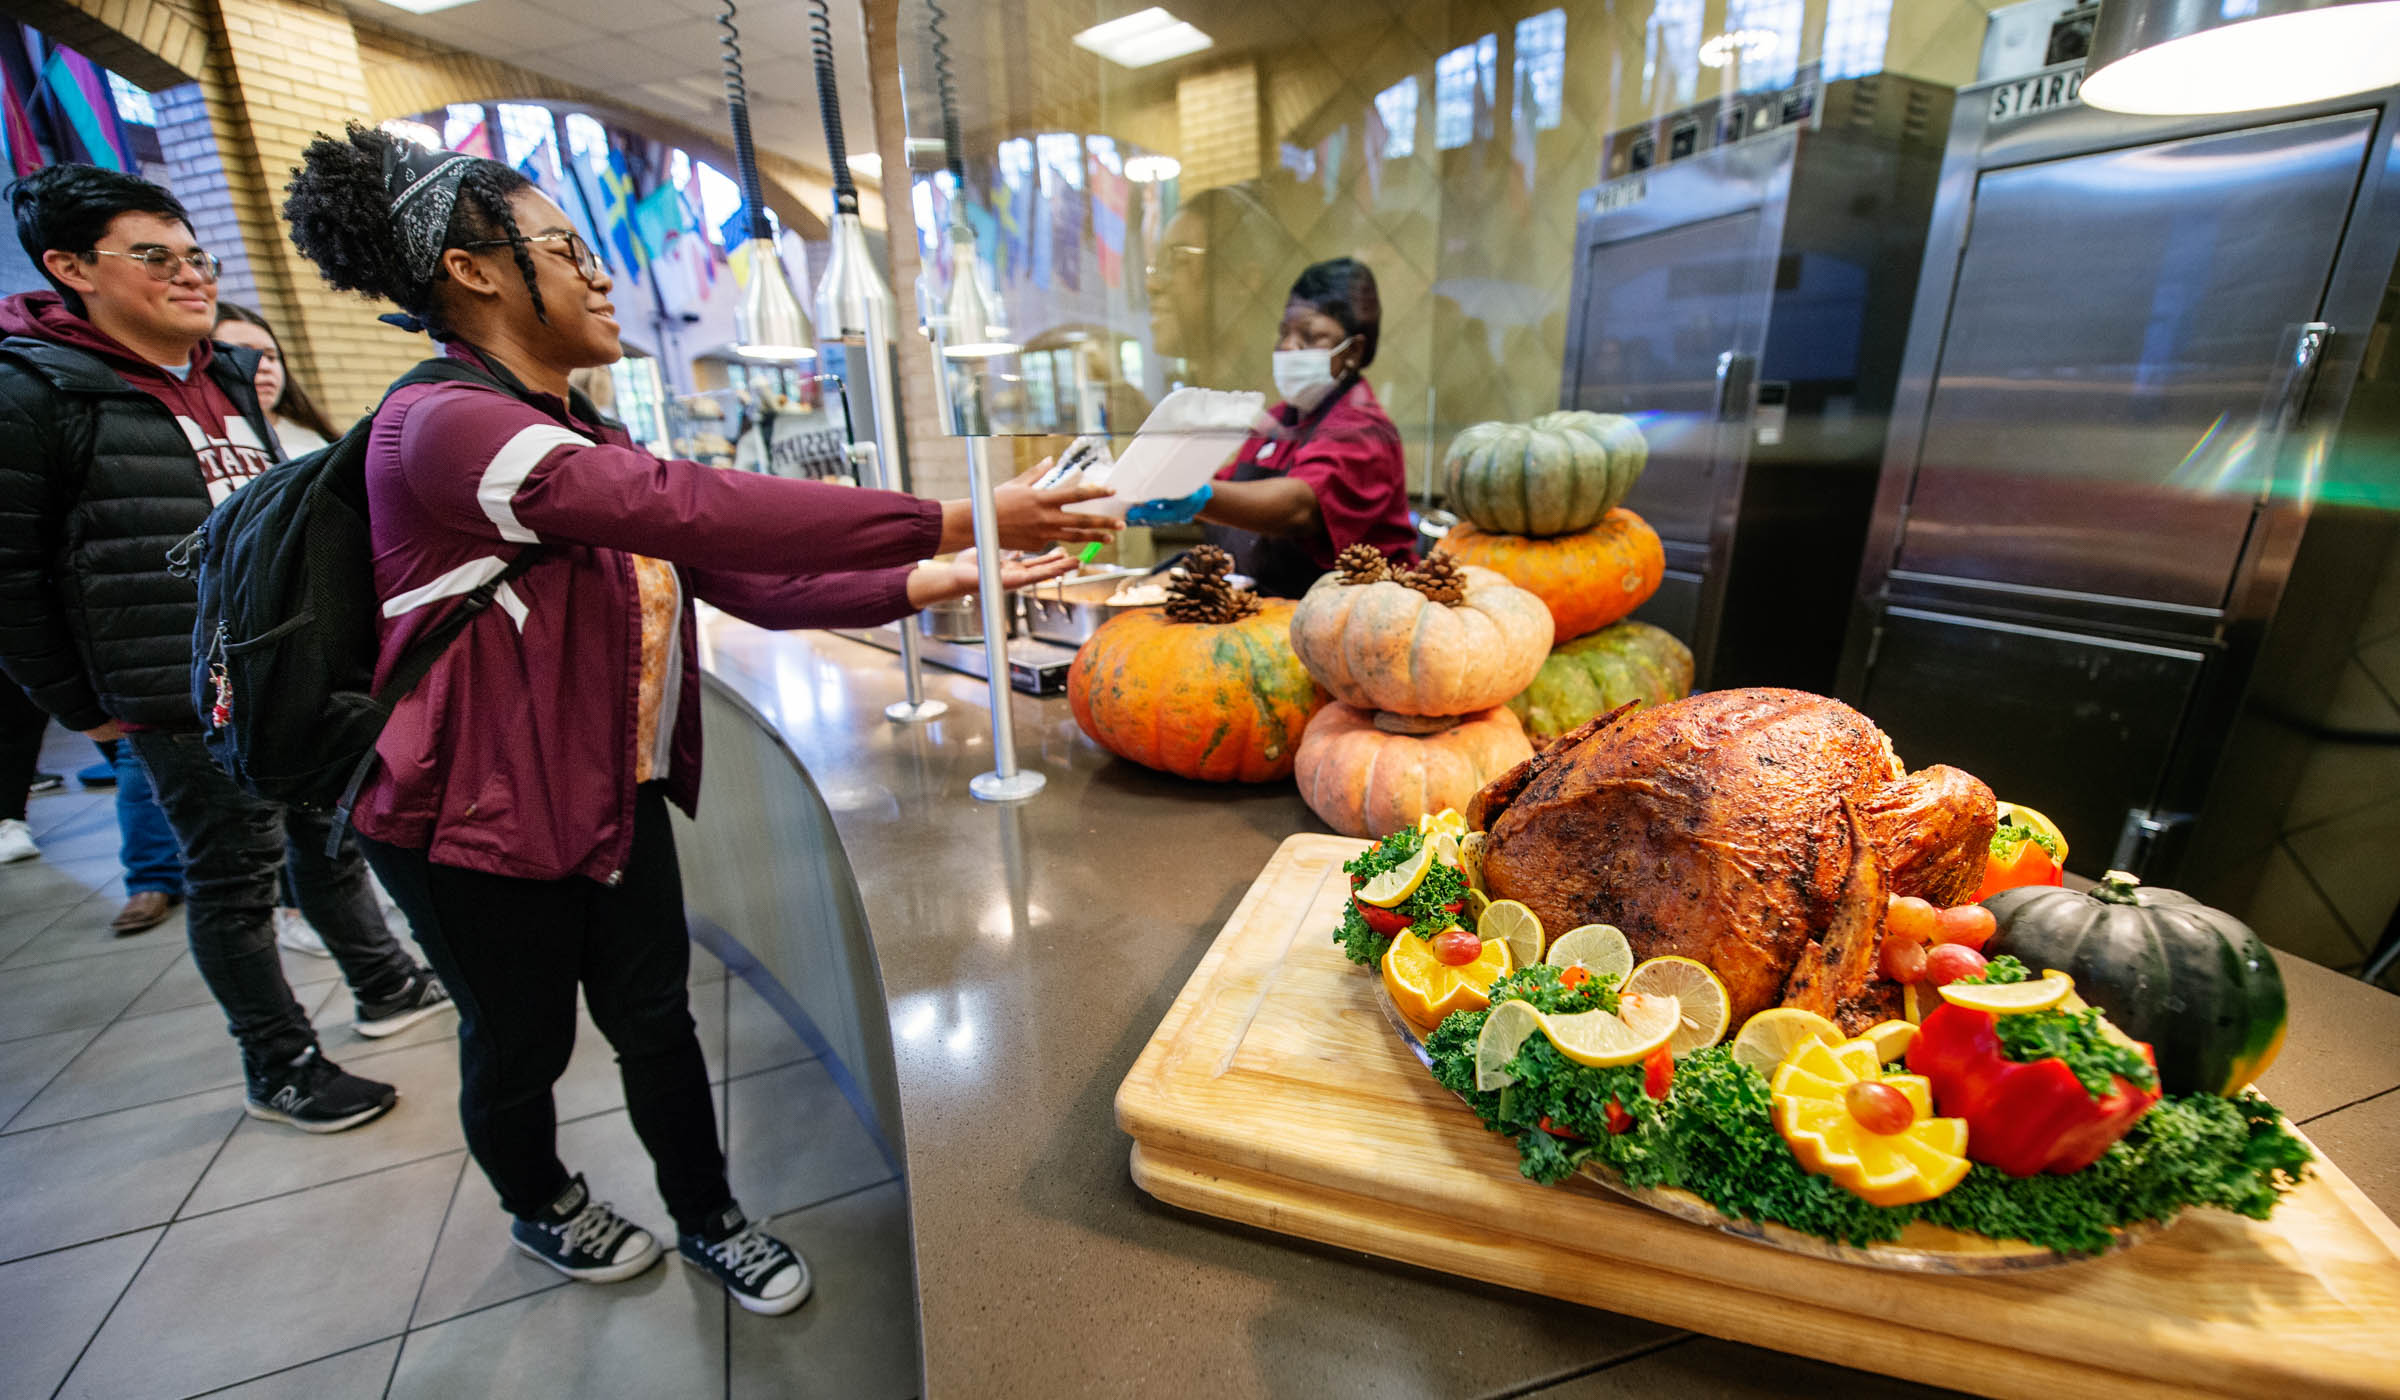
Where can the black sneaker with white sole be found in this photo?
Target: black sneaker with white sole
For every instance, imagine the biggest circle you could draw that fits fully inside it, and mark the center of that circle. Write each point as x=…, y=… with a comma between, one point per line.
x=586, y=1239
x=423, y=996
x=315, y=1095
x=763, y=1274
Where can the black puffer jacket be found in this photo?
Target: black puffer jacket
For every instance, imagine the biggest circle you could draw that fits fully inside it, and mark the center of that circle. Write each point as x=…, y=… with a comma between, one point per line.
x=97, y=483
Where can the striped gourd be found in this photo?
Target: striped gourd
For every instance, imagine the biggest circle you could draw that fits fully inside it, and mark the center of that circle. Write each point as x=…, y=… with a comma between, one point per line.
x=1554, y=476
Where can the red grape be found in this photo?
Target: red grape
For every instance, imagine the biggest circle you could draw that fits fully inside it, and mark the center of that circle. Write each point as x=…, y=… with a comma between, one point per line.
x=1457, y=947
x=1903, y=958
x=1911, y=918
x=1951, y=962
x=1970, y=925
x=1879, y=1108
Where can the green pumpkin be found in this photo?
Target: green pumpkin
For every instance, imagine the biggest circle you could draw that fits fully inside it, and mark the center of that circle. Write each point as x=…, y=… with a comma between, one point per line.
x=2194, y=982
x=1594, y=674
x=1554, y=476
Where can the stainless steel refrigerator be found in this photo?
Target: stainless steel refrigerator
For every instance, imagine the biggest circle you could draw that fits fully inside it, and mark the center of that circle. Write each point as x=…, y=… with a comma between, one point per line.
x=2113, y=558
x=1742, y=287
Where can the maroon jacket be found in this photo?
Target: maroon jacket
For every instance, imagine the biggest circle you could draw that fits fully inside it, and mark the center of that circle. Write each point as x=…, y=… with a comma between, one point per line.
x=515, y=754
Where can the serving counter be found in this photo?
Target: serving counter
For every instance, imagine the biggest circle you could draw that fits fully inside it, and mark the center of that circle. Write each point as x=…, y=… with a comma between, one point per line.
x=988, y=974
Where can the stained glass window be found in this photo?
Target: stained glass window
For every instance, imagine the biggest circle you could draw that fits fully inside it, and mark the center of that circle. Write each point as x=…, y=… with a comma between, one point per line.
x=1396, y=106
x=1855, y=35
x=1541, y=69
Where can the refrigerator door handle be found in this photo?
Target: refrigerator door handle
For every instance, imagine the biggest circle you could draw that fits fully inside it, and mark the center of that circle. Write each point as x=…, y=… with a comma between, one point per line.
x=1734, y=371
x=2300, y=374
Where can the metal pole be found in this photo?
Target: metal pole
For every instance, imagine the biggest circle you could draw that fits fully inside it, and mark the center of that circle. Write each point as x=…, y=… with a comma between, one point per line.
x=883, y=383
x=1005, y=783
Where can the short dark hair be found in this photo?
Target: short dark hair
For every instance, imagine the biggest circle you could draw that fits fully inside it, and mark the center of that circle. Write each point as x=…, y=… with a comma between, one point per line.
x=342, y=221
x=69, y=208
x=1344, y=289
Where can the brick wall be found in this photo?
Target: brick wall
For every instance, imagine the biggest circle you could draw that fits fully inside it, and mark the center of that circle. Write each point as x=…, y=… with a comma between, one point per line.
x=1220, y=122
x=197, y=175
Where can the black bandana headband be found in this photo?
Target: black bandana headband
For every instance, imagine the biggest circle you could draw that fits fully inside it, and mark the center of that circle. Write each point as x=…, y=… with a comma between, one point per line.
x=421, y=187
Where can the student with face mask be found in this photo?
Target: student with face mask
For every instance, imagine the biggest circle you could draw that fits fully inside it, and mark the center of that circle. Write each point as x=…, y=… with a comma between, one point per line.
x=1326, y=472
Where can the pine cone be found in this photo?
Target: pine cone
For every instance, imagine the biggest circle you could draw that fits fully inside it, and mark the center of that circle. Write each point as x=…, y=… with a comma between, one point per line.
x=1197, y=590
x=1439, y=578
x=1361, y=564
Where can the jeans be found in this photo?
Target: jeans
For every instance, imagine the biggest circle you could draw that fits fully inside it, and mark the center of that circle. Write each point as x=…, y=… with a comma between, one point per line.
x=146, y=844
x=234, y=848
x=512, y=953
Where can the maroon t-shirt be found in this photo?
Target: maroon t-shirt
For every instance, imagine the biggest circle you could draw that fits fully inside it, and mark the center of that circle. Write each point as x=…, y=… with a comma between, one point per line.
x=1352, y=460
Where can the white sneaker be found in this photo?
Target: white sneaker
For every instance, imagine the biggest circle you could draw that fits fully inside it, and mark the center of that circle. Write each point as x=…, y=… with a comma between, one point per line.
x=16, y=842
x=293, y=931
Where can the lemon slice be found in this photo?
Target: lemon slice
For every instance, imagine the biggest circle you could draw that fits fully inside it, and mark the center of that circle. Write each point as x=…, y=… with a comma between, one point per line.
x=2040, y=994
x=1446, y=822
x=1707, y=1006
x=1517, y=926
x=2026, y=816
x=1599, y=949
x=1477, y=902
x=1445, y=850
x=1394, y=886
x=1470, y=854
x=1505, y=1032
x=1600, y=1039
x=1891, y=1039
x=1773, y=1036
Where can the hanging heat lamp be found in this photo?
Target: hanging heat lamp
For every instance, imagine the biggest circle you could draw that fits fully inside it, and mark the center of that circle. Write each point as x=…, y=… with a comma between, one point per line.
x=768, y=323
x=2189, y=57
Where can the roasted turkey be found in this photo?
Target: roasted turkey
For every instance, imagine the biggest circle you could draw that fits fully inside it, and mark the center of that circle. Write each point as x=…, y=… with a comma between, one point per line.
x=1756, y=831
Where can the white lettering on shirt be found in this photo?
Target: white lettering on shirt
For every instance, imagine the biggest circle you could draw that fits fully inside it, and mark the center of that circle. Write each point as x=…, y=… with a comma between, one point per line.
x=226, y=463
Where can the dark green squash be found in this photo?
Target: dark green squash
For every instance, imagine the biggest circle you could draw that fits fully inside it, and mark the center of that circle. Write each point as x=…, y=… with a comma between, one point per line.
x=2194, y=982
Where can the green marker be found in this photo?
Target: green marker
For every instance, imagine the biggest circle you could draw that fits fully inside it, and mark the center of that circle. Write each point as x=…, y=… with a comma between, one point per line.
x=1090, y=551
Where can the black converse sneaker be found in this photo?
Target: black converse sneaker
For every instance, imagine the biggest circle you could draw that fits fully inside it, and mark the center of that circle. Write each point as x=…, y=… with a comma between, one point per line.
x=763, y=1274
x=314, y=1095
x=423, y=996
x=586, y=1239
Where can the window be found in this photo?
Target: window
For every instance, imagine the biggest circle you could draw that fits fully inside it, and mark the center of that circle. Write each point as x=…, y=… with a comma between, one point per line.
x=418, y=132
x=720, y=199
x=1769, y=50
x=133, y=104
x=1062, y=157
x=1104, y=154
x=1671, y=53
x=1397, y=107
x=526, y=133
x=1855, y=31
x=1541, y=69
x=586, y=138
x=462, y=128
x=1466, y=81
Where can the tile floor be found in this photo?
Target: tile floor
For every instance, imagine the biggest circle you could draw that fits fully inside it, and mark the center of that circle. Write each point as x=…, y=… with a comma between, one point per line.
x=154, y=1242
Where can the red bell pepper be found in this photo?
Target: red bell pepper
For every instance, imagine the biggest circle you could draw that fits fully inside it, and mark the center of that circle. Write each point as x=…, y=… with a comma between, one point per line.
x=2031, y=865
x=2022, y=1118
x=1387, y=922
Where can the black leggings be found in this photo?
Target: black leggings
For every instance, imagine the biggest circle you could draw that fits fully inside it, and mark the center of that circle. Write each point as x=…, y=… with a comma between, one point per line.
x=512, y=953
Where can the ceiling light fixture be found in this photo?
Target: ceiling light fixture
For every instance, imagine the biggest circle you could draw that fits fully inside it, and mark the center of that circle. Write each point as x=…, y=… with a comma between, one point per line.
x=768, y=324
x=2178, y=58
x=1152, y=170
x=1143, y=38
x=1743, y=44
x=425, y=7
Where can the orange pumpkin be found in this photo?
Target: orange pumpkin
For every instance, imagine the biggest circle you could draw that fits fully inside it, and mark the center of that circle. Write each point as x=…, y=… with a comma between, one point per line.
x=1366, y=781
x=1217, y=701
x=1451, y=644
x=1587, y=580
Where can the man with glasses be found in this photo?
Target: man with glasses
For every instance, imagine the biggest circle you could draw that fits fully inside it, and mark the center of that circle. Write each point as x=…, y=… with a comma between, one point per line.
x=121, y=424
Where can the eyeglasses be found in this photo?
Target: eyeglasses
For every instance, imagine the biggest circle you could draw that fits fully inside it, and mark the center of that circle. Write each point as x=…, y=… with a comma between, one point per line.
x=163, y=265
x=578, y=252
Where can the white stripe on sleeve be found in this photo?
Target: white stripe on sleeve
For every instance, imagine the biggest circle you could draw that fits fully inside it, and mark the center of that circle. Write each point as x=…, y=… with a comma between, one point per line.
x=464, y=579
x=506, y=473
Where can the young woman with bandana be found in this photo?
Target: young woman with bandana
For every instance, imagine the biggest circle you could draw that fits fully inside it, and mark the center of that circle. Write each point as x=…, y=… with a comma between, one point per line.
x=1326, y=471
x=519, y=815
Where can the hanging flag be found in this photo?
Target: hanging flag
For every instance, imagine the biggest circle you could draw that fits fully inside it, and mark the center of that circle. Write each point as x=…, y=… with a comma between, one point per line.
x=614, y=210
x=658, y=218
x=1372, y=148
x=80, y=95
x=1112, y=197
x=16, y=130
x=1004, y=218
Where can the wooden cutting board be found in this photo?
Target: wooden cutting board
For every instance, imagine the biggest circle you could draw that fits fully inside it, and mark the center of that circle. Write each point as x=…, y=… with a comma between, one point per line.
x=1276, y=1094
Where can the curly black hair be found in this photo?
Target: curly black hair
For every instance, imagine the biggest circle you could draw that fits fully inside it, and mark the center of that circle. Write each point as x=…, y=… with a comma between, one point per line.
x=341, y=221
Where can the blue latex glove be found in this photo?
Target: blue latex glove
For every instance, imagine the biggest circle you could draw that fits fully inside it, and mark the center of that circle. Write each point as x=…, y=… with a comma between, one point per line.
x=1170, y=512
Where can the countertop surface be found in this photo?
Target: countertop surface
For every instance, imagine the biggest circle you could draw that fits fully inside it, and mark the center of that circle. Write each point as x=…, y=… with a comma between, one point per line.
x=1029, y=950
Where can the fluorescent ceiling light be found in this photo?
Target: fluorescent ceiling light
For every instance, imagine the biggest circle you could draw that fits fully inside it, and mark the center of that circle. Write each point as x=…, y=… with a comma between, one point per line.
x=1143, y=38
x=1746, y=44
x=425, y=7
x=867, y=163
x=2274, y=60
x=1151, y=170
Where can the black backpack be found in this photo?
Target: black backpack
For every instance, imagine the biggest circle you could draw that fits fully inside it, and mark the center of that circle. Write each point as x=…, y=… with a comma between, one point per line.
x=283, y=654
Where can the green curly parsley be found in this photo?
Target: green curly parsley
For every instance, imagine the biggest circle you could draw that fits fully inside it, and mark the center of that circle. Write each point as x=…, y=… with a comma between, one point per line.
x=2010, y=837
x=1714, y=1135
x=2080, y=1038
x=1427, y=910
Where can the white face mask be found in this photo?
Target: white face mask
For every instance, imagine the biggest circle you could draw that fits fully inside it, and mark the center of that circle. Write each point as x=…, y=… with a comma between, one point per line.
x=1303, y=376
